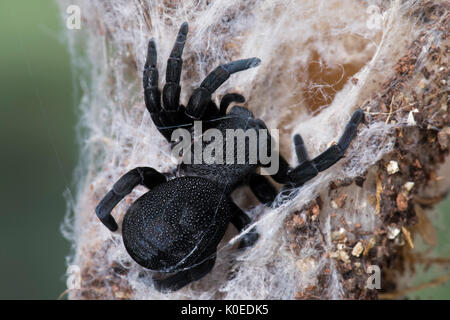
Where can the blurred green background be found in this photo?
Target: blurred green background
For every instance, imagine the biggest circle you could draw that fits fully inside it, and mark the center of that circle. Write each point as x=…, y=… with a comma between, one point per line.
x=39, y=152
x=38, y=148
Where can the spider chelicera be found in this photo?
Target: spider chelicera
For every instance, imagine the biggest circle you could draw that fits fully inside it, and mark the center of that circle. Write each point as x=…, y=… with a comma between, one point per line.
x=176, y=226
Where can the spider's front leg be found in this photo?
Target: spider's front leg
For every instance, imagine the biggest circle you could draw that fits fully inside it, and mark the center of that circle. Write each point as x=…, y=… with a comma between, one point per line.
x=200, y=104
x=170, y=115
x=308, y=169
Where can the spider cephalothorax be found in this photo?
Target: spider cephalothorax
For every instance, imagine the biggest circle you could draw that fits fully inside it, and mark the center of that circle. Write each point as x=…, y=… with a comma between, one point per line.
x=176, y=226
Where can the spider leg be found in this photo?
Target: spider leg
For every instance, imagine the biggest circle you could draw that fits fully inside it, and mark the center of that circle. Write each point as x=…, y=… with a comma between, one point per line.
x=227, y=100
x=201, y=96
x=145, y=176
x=183, y=278
x=171, y=91
x=262, y=189
x=300, y=149
x=211, y=112
x=241, y=220
x=170, y=115
x=280, y=175
x=308, y=169
x=152, y=94
x=173, y=113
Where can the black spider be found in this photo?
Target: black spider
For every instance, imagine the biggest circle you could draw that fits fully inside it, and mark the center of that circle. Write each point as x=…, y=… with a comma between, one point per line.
x=176, y=226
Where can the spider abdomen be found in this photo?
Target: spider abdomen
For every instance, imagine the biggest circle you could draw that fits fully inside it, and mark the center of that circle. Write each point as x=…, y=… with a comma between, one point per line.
x=172, y=225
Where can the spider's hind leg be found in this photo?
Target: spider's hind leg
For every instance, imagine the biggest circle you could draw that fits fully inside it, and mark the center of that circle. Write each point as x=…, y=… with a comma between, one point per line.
x=308, y=169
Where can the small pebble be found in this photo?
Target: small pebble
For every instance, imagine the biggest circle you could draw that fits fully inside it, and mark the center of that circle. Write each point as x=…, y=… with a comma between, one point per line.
x=392, y=167
x=358, y=249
